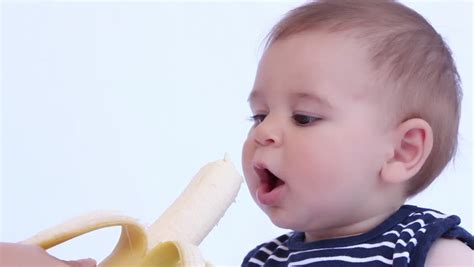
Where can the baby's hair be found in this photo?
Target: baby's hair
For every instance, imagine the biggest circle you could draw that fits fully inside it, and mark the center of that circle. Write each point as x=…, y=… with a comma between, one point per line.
x=415, y=65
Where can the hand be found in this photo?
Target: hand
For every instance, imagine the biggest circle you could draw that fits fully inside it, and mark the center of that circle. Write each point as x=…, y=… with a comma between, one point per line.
x=20, y=255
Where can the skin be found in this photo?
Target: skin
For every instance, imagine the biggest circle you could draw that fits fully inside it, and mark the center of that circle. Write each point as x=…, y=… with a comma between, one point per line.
x=342, y=147
x=19, y=255
x=317, y=127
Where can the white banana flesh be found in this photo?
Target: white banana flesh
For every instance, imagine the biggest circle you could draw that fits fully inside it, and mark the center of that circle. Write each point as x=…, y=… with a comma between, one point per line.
x=173, y=239
x=193, y=215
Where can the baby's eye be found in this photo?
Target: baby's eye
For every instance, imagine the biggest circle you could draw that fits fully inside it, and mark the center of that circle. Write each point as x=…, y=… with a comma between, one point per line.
x=258, y=118
x=304, y=120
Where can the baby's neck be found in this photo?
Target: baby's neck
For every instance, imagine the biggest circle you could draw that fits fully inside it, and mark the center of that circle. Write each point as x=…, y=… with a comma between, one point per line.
x=353, y=229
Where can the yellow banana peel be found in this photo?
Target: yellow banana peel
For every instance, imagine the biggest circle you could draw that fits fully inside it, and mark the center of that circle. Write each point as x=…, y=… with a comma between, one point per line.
x=173, y=239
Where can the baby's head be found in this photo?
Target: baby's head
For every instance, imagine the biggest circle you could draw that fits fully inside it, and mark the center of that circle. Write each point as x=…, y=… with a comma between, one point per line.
x=356, y=107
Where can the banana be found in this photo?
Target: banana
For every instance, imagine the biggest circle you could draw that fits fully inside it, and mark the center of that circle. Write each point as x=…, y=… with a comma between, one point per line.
x=173, y=239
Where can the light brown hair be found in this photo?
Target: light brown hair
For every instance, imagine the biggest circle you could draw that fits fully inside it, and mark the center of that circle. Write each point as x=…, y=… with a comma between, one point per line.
x=415, y=63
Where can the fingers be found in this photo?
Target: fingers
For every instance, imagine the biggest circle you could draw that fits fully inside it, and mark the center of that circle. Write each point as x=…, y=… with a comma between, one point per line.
x=20, y=255
x=81, y=263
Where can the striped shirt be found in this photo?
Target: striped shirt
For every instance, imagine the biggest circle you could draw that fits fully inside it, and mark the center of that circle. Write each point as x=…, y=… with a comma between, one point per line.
x=402, y=240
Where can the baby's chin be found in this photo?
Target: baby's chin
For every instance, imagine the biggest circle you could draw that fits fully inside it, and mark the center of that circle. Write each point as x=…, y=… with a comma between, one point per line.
x=280, y=219
x=291, y=221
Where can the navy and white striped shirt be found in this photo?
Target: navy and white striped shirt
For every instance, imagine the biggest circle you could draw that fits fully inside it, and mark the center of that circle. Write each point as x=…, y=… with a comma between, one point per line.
x=402, y=240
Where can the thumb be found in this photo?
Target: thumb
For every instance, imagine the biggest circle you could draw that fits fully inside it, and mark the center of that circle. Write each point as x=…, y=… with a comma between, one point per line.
x=82, y=263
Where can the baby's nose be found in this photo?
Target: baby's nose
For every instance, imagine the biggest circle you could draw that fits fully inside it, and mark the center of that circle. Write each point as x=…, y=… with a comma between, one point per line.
x=268, y=132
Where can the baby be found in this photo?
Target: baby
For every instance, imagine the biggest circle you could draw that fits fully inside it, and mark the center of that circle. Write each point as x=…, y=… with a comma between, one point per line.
x=356, y=108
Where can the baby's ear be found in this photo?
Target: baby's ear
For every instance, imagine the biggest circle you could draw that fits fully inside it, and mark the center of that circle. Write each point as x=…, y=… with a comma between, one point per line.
x=413, y=141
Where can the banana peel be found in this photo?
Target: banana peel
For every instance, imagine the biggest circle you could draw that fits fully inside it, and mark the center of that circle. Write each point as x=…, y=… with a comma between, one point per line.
x=173, y=239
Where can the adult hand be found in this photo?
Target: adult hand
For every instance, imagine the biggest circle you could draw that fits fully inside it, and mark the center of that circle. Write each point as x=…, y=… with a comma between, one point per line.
x=20, y=255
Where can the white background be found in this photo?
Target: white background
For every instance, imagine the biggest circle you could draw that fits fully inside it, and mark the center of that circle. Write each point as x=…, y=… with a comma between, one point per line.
x=117, y=105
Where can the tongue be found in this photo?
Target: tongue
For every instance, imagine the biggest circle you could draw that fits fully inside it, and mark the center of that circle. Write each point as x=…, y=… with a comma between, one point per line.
x=271, y=182
x=275, y=183
x=269, y=194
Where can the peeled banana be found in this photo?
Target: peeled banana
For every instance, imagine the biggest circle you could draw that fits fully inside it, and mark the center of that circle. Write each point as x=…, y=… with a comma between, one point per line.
x=173, y=239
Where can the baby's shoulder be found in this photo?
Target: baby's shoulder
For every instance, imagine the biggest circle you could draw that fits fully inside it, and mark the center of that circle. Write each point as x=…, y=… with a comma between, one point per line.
x=450, y=252
x=427, y=236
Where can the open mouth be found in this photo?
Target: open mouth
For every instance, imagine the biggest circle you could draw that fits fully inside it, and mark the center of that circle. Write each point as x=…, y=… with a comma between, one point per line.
x=268, y=180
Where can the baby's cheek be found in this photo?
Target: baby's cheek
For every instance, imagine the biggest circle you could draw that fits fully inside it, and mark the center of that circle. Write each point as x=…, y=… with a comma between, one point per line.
x=247, y=153
x=247, y=157
x=328, y=160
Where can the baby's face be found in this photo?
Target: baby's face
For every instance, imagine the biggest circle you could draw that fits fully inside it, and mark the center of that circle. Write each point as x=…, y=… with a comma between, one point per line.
x=315, y=152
